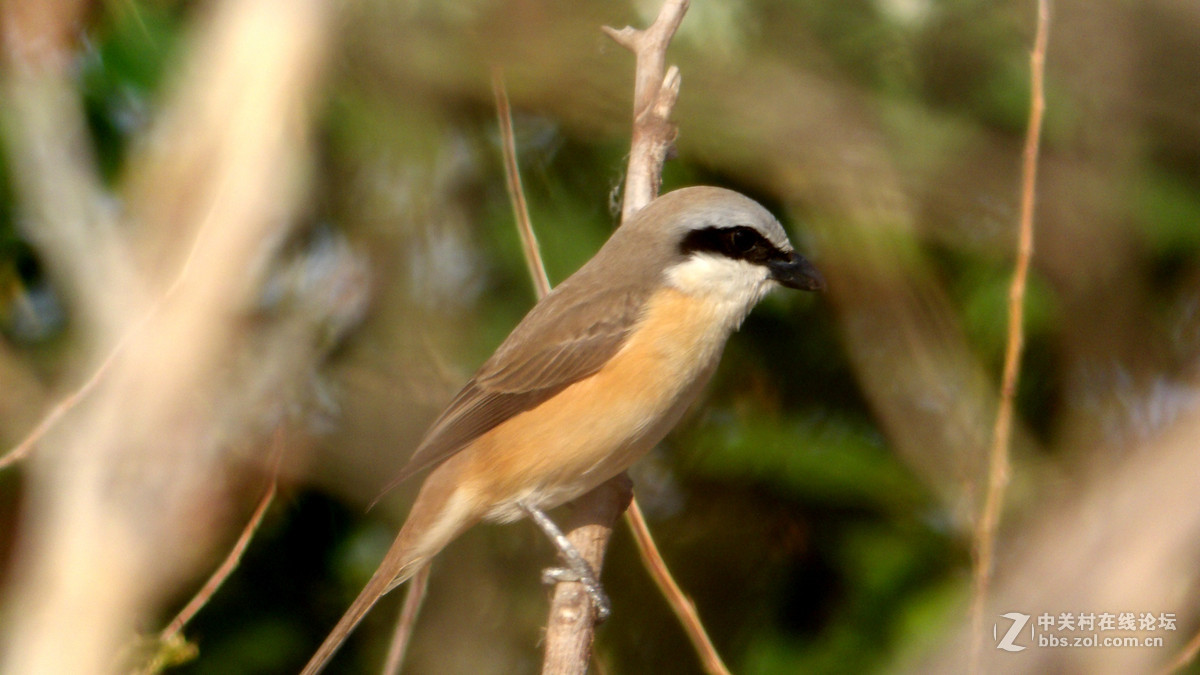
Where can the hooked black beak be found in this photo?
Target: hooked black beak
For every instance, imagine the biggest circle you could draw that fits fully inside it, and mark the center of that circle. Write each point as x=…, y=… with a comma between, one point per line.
x=794, y=271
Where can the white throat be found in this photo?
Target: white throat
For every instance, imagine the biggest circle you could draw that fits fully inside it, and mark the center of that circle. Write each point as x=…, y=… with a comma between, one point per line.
x=731, y=287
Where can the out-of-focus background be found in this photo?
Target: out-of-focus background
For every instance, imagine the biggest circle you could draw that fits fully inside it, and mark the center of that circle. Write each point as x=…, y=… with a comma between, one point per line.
x=282, y=227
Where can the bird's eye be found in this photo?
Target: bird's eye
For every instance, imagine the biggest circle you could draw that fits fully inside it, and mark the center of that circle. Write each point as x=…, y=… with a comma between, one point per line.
x=741, y=241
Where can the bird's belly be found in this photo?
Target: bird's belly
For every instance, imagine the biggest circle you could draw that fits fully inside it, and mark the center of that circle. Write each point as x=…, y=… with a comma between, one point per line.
x=599, y=426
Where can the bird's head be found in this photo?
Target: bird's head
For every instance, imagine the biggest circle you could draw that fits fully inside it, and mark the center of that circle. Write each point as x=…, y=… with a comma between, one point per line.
x=723, y=245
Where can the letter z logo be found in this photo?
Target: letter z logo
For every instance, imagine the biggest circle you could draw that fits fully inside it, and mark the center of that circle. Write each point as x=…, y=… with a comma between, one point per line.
x=1018, y=622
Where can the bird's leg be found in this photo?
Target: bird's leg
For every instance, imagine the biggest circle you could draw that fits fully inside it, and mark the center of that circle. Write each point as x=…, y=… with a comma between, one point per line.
x=577, y=568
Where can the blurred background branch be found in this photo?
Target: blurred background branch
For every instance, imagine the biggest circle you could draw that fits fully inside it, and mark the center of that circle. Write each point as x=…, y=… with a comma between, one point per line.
x=133, y=488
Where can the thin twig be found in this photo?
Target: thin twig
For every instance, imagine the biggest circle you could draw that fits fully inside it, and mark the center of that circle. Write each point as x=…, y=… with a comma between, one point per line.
x=516, y=193
x=998, y=465
x=22, y=449
x=407, y=621
x=681, y=604
x=234, y=557
x=64, y=406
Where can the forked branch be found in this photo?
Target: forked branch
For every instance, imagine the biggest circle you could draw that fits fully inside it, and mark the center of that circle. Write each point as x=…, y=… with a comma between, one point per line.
x=655, y=91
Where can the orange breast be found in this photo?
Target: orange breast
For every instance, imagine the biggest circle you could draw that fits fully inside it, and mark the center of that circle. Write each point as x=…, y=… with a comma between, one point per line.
x=598, y=426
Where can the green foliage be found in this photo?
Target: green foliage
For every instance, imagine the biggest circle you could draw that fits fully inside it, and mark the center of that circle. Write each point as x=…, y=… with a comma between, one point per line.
x=985, y=309
x=1169, y=212
x=121, y=72
x=826, y=458
x=258, y=647
x=151, y=656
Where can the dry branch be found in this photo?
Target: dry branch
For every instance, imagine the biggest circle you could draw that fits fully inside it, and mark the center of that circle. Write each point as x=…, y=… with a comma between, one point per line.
x=407, y=621
x=571, y=626
x=681, y=605
x=998, y=465
x=516, y=193
x=126, y=496
x=655, y=90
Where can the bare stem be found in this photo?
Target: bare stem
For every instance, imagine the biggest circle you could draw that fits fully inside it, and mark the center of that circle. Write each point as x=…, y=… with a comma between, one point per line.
x=998, y=464
x=681, y=604
x=516, y=193
x=234, y=558
x=655, y=90
x=571, y=626
x=407, y=621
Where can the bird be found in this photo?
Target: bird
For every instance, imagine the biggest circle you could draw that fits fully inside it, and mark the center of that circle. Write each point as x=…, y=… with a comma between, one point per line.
x=593, y=377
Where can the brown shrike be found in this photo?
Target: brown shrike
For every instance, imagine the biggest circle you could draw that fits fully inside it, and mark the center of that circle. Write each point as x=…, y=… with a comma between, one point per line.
x=594, y=376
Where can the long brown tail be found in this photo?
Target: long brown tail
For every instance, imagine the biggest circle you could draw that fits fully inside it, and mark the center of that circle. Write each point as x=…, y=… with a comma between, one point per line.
x=395, y=569
x=438, y=516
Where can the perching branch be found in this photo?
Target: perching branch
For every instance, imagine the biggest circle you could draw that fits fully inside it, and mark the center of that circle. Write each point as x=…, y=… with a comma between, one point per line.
x=571, y=626
x=998, y=465
x=569, y=634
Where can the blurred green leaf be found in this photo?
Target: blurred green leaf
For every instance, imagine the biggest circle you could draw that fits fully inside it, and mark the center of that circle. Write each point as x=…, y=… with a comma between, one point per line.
x=121, y=72
x=1168, y=210
x=822, y=456
x=985, y=308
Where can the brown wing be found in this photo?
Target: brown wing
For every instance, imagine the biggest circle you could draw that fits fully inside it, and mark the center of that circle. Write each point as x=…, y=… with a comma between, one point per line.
x=557, y=344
